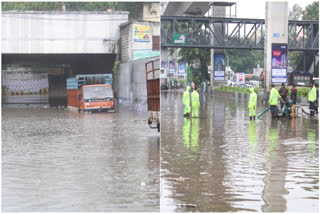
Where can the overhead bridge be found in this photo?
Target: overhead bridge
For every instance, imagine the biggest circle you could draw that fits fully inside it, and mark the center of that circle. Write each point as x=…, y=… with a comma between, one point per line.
x=234, y=33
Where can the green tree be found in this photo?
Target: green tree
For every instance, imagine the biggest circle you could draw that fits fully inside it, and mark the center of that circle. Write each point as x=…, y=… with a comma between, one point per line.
x=295, y=13
x=135, y=8
x=244, y=61
x=196, y=57
x=311, y=12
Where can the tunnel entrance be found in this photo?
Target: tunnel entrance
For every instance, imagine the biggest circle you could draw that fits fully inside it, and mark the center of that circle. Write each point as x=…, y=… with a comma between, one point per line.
x=43, y=76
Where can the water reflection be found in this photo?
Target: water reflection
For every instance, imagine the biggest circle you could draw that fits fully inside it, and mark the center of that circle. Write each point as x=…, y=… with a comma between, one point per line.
x=222, y=162
x=59, y=160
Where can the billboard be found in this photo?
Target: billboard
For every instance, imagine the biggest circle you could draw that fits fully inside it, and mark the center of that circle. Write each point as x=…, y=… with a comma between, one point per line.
x=141, y=33
x=279, y=63
x=241, y=78
x=219, y=67
x=172, y=68
x=181, y=69
x=164, y=64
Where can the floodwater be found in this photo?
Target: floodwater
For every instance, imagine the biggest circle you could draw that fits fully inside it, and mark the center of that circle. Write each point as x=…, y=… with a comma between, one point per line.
x=59, y=160
x=222, y=162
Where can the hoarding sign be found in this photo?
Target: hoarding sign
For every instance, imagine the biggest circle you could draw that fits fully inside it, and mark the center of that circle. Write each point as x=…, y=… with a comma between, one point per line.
x=219, y=67
x=164, y=64
x=141, y=33
x=241, y=78
x=182, y=69
x=279, y=63
x=172, y=68
x=179, y=38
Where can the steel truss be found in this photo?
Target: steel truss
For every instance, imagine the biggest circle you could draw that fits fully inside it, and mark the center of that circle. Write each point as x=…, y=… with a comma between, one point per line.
x=234, y=33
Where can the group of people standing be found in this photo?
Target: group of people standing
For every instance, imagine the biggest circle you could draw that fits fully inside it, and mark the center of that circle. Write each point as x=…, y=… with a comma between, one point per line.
x=313, y=96
x=191, y=101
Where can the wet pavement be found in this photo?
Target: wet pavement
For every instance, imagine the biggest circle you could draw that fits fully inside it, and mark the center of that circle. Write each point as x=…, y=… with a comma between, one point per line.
x=59, y=160
x=222, y=162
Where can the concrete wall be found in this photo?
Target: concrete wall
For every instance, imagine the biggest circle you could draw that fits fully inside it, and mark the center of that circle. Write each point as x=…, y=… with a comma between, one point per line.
x=131, y=49
x=131, y=81
x=61, y=32
x=151, y=11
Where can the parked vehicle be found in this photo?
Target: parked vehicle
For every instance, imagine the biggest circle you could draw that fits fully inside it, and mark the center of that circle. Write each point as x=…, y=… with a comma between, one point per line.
x=299, y=78
x=153, y=93
x=90, y=92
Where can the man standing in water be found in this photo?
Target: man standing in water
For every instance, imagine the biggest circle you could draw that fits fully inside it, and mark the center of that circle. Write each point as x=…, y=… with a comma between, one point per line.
x=273, y=101
x=312, y=98
x=186, y=102
x=252, y=105
x=195, y=102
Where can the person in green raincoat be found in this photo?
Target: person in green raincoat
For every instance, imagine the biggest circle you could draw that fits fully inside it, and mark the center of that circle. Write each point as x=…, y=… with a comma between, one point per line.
x=273, y=101
x=252, y=105
x=195, y=102
x=186, y=101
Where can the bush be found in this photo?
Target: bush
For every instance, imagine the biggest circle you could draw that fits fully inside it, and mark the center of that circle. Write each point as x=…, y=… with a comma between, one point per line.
x=301, y=91
x=236, y=89
x=182, y=83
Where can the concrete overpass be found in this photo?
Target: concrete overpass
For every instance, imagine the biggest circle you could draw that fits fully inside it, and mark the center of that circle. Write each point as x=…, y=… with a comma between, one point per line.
x=77, y=42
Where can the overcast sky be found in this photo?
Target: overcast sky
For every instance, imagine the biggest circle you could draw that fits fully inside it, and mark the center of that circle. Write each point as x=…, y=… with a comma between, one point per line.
x=255, y=9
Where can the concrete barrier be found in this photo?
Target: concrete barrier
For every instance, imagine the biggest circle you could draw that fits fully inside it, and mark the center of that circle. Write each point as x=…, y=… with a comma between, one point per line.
x=43, y=91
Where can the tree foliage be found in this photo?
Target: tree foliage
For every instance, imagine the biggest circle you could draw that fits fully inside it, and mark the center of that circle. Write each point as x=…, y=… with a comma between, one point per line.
x=196, y=57
x=311, y=12
x=243, y=61
x=295, y=13
x=135, y=8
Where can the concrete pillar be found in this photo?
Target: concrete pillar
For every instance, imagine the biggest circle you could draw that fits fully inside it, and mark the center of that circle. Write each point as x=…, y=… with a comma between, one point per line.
x=219, y=29
x=212, y=53
x=276, y=26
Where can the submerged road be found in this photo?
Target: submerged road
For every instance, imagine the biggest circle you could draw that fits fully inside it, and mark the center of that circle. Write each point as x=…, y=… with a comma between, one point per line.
x=223, y=162
x=58, y=160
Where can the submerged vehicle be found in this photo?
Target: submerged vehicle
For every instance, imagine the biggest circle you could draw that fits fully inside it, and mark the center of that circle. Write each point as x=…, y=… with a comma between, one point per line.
x=90, y=92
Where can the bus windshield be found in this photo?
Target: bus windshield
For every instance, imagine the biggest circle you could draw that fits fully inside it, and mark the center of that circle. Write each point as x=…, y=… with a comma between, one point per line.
x=97, y=92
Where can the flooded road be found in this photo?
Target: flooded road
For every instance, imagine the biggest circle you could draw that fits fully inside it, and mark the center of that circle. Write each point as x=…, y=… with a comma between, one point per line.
x=223, y=162
x=58, y=160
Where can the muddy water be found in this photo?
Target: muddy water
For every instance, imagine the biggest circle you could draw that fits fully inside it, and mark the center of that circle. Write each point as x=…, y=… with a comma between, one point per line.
x=223, y=162
x=58, y=160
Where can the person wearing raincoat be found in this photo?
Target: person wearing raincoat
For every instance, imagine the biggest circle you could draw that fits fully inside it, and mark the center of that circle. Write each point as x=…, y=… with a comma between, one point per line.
x=252, y=105
x=186, y=101
x=273, y=101
x=195, y=102
x=312, y=98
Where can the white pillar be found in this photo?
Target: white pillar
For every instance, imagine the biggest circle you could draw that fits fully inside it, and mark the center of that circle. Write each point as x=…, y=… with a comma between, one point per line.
x=276, y=27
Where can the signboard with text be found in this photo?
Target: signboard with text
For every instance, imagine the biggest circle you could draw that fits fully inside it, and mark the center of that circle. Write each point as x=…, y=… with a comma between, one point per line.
x=180, y=38
x=219, y=67
x=172, y=68
x=141, y=33
x=279, y=63
x=182, y=69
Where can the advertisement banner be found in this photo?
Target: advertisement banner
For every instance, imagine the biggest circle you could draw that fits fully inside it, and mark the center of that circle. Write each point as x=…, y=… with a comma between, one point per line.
x=241, y=78
x=182, y=69
x=180, y=38
x=172, y=68
x=164, y=64
x=219, y=67
x=141, y=33
x=279, y=63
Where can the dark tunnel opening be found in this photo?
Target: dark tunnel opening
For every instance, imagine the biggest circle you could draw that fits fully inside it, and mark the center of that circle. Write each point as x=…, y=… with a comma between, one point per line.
x=58, y=68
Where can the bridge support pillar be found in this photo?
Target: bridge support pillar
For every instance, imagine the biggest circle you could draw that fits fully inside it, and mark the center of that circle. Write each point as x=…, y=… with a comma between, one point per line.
x=276, y=26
